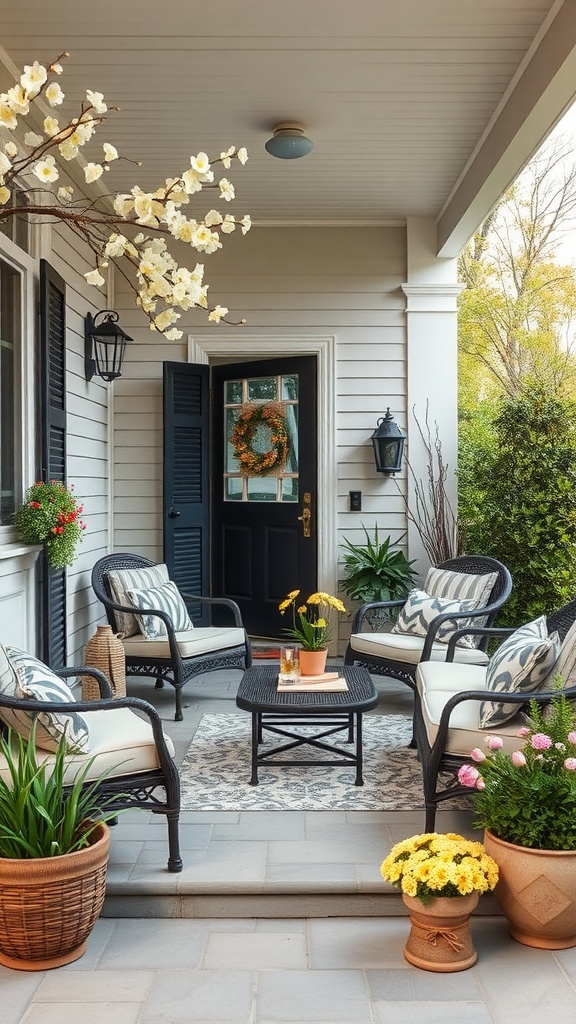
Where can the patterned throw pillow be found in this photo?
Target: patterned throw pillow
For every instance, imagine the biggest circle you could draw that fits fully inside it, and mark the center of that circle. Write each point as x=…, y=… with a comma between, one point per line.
x=520, y=665
x=123, y=580
x=27, y=678
x=463, y=586
x=167, y=598
x=421, y=609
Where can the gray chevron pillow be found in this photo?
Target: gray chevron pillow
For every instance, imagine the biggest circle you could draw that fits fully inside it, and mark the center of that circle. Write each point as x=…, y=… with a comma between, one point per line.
x=123, y=580
x=421, y=609
x=520, y=665
x=25, y=677
x=167, y=599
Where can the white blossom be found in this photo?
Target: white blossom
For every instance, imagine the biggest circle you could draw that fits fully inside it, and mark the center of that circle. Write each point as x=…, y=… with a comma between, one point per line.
x=11, y=149
x=18, y=100
x=51, y=126
x=95, y=277
x=212, y=218
x=32, y=139
x=96, y=100
x=46, y=169
x=68, y=150
x=54, y=94
x=5, y=164
x=226, y=189
x=173, y=334
x=228, y=224
x=242, y=155
x=246, y=223
x=110, y=152
x=65, y=194
x=92, y=172
x=33, y=78
x=123, y=206
x=216, y=314
x=8, y=118
x=4, y=195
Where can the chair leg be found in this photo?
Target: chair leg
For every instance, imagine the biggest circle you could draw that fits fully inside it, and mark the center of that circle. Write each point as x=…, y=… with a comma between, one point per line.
x=174, y=858
x=178, y=717
x=430, y=817
x=159, y=683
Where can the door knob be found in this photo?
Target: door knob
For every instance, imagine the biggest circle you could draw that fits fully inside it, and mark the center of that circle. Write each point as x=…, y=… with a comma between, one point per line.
x=173, y=514
x=305, y=520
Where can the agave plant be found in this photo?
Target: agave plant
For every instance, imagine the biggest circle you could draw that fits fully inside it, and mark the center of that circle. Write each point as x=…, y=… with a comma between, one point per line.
x=41, y=815
x=376, y=570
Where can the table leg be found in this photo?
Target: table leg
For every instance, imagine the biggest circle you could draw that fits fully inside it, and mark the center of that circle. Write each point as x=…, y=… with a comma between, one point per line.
x=359, y=781
x=256, y=735
x=351, y=727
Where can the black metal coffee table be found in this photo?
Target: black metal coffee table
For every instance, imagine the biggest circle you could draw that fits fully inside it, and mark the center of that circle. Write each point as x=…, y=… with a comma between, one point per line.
x=331, y=713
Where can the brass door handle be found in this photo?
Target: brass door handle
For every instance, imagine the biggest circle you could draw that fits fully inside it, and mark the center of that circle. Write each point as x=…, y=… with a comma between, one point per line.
x=305, y=520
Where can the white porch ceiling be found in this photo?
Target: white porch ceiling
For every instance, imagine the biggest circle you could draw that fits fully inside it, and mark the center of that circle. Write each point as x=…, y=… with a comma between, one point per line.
x=410, y=104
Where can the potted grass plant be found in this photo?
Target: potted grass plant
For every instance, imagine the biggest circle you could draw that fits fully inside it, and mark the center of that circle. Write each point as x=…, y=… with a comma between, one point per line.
x=54, y=844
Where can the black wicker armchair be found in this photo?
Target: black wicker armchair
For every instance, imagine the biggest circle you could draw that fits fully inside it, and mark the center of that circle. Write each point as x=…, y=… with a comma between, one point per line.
x=447, y=705
x=175, y=657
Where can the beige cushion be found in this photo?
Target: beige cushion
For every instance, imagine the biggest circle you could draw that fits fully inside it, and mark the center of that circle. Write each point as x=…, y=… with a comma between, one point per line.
x=436, y=684
x=191, y=642
x=123, y=580
x=119, y=740
x=408, y=648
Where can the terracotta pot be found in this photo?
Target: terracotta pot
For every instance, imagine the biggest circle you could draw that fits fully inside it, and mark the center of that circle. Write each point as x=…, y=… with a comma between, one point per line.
x=49, y=905
x=536, y=892
x=440, y=938
x=312, y=663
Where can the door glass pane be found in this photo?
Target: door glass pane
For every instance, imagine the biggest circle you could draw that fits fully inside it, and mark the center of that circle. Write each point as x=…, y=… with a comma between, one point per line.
x=262, y=389
x=233, y=392
x=263, y=488
x=289, y=387
x=232, y=463
x=233, y=489
x=290, y=488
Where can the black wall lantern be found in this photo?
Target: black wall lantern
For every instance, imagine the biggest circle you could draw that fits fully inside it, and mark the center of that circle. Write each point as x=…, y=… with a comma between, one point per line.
x=388, y=443
x=104, y=345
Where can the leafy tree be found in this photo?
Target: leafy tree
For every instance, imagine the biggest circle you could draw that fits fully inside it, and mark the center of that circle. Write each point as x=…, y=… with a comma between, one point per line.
x=519, y=501
x=518, y=306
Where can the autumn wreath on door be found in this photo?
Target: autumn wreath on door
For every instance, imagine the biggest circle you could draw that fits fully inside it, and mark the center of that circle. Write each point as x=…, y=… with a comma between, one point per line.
x=261, y=439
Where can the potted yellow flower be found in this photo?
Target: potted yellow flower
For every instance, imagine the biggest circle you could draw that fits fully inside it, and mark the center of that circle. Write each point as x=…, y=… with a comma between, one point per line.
x=311, y=627
x=441, y=877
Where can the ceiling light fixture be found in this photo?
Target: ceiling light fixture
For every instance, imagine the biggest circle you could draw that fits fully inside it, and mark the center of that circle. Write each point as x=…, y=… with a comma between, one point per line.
x=288, y=141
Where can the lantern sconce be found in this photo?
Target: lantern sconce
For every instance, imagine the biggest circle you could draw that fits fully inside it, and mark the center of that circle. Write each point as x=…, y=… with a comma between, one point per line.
x=388, y=443
x=104, y=346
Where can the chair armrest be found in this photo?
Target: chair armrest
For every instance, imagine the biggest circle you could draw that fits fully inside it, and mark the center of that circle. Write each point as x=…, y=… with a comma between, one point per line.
x=474, y=631
x=360, y=614
x=217, y=600
x=454, y=617
x=84, y=670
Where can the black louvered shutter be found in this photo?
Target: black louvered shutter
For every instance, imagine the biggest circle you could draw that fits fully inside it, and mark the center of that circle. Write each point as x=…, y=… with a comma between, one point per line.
x=53, y=453
x=186, y=478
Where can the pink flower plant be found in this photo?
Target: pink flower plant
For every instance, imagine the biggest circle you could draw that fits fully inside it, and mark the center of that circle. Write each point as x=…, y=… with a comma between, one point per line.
x=528, y=796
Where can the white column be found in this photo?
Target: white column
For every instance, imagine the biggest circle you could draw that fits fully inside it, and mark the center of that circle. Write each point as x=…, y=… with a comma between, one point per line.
x=431, y=293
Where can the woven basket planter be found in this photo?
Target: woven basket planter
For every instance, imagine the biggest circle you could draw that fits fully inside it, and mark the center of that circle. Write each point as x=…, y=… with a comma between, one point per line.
x=105, y=651
x=49, y=905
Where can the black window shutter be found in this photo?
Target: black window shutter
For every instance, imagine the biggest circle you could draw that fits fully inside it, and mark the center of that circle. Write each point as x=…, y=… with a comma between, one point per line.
x=53, y=448
x=186, y=479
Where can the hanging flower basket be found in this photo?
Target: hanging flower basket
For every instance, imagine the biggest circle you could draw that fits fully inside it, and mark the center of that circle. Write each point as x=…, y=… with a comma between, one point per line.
x=50, y=516
x=261, y=439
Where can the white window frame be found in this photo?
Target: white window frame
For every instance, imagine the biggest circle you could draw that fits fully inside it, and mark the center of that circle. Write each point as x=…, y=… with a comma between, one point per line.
x=24, y=382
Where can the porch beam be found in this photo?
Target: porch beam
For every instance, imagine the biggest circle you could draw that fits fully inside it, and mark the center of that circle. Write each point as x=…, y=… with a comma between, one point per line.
x=541, y=92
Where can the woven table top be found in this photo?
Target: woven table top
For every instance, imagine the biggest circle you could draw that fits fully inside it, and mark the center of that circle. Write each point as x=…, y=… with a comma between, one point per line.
x=257, y=692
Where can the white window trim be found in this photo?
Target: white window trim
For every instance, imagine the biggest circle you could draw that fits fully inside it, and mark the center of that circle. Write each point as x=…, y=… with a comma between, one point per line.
x=25, y=385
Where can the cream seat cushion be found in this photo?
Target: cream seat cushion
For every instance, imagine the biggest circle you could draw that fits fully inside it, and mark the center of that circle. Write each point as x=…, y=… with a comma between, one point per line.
x=408, y=648
x=119, y=740
x=190, y=642
x=437, y=683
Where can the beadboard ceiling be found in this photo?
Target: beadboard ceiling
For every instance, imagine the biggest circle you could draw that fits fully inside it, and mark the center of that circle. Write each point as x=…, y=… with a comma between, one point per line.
x=397, y=95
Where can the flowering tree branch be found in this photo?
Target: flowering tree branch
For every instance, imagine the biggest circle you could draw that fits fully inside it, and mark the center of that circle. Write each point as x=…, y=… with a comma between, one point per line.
x=111, y=224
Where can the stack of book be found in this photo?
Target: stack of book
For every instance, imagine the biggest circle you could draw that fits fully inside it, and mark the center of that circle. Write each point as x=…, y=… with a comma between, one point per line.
x=328, y=682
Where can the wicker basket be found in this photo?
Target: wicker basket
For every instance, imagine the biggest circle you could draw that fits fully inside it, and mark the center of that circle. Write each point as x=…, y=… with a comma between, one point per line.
x=49, y=905
x=105, y=651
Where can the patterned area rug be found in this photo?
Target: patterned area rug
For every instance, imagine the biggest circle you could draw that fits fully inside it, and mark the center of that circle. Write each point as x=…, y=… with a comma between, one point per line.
x=216, y=770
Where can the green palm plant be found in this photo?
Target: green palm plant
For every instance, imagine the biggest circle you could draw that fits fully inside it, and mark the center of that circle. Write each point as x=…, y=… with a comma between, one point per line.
x=375, y=571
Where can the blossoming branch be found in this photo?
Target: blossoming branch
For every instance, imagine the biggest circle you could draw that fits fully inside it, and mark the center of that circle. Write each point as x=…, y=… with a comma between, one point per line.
x=162, y=285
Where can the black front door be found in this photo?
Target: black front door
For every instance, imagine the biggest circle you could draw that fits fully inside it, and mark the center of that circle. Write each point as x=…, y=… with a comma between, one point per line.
x=264, y=524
